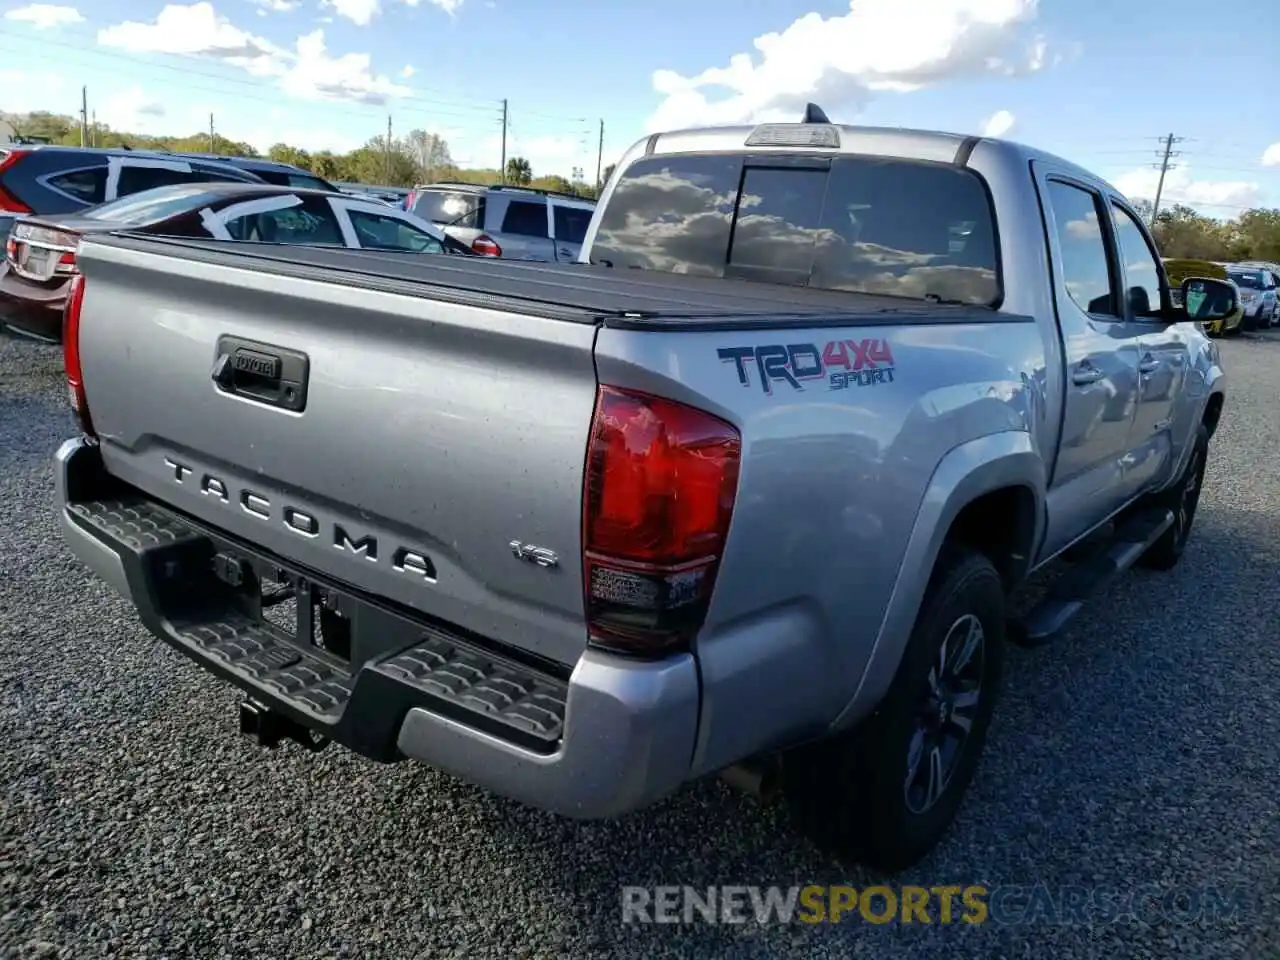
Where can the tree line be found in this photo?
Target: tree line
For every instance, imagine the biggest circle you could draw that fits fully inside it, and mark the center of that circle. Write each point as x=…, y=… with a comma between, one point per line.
x=422, y=157
x=1183, y=233
x=417, y=157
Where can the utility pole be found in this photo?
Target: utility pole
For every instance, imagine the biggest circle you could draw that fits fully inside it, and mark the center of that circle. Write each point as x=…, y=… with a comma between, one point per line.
x=211, y=135
x=600, y=159
x=1165, y=167
x=93, y=130
x=84, y=116
x=503, y=169
x=386, y=154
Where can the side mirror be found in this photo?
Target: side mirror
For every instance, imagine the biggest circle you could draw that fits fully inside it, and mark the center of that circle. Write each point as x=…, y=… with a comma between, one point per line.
x=1208, y=300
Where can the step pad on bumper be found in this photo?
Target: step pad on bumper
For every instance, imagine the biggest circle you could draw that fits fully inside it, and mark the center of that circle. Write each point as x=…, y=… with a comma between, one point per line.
x=170, y=566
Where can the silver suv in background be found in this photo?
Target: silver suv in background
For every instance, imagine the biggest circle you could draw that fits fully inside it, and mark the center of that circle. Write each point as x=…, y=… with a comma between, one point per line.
x=1258, y=294
x=515, y=223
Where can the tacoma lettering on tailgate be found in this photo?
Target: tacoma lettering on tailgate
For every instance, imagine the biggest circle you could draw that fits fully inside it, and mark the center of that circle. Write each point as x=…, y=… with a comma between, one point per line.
x=402, y=559
x=841, y=363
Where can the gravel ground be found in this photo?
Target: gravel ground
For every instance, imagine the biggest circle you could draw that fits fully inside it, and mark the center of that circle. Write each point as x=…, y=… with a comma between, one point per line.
x=1139, y=749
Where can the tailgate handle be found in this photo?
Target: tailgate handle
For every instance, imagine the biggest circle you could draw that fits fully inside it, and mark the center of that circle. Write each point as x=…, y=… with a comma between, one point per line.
x=261, y=372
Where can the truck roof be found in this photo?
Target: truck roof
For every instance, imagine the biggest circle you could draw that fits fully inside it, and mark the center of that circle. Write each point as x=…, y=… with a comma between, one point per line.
x=909, y=142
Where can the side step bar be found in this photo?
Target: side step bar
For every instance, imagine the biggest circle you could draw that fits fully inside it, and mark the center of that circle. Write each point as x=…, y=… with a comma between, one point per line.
x=1072, y=591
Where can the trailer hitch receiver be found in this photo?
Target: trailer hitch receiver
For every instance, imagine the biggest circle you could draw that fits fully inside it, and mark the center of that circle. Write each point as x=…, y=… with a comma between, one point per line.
x=268, y=727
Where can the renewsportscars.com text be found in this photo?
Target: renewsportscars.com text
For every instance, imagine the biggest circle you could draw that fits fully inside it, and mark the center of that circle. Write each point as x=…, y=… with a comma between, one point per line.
x=944, y=904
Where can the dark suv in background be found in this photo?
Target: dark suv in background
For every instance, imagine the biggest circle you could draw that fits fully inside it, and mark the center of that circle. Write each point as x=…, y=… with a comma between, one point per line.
x=280, y=174
x=48, y=179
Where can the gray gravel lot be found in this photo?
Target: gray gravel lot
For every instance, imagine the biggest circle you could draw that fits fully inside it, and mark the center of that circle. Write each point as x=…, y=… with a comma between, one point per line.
x=1139, y=749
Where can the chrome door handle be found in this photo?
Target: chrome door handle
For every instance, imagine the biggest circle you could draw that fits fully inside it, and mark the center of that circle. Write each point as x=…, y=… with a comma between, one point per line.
x=1149, y=365
x=1086, y=375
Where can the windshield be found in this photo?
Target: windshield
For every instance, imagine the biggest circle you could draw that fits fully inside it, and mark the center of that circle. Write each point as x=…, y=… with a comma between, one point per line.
x=867, y=225
x=1249, y=279
x=152, y=205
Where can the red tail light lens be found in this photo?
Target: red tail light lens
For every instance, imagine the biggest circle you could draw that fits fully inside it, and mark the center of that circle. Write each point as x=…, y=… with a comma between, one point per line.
x=8, y=202
x=659, y=492
x=71, y=354
x=67, y=263
x=486, y=246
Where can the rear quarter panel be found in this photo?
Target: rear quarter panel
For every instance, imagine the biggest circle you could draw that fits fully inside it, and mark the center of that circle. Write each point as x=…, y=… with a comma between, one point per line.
x=833, y=477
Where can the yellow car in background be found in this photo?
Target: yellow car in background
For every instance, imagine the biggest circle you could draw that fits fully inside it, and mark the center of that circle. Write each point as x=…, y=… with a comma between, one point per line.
x=1180, y=269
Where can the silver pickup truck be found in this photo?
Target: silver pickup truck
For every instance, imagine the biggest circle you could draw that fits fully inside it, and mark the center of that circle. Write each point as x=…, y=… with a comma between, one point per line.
x=744, y=492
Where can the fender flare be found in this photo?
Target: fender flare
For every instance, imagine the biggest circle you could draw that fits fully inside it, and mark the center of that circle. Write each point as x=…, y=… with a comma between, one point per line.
x=967, y=472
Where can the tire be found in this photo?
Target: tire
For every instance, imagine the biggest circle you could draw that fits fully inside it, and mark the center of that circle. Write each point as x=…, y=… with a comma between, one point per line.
x=1182, y=499
x=853, y=795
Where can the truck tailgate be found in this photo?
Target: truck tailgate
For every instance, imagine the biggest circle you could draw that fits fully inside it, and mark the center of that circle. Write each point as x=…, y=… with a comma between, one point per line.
x=433, y=438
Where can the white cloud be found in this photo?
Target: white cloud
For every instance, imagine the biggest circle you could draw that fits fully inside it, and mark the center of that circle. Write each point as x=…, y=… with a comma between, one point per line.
x=25, y=92
x=307, y=72
x=1271, y=156
x=132, y=110
x=842, y=61
x=197, y=30
x=45, y=16
x=276, y=6
x=314, y=75
x=998, y=124
x=359, y=12
x=407, y=72
x=1180, y=186
x=451, y=7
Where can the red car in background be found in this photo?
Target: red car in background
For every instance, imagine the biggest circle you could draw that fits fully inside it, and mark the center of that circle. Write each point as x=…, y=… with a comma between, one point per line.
x=40, y=253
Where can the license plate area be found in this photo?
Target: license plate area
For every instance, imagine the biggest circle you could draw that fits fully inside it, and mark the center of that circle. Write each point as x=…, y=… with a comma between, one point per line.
x=299, y=609
x=34, y=263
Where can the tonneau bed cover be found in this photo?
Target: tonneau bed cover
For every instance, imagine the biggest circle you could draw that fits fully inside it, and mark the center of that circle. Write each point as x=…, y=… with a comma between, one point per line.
x=572, y=291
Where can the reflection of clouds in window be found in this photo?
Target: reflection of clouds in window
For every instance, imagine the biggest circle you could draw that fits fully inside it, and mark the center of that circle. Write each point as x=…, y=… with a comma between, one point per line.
x=872, y=226
x=671, y=222
x=1086, y=228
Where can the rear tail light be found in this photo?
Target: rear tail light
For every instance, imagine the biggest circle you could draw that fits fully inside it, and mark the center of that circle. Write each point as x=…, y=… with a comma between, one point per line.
x=67, y=263
x=486, y=246
x=8, y=202
x=659, y=492
x=71, y=354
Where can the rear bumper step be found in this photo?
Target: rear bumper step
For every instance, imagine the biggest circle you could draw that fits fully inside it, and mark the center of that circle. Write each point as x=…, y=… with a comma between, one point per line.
x=403, y=686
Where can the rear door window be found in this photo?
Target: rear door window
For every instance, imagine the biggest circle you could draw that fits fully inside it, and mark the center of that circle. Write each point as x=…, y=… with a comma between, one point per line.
x=862, y=224
x=377, y=231
x=311, y=222
x=571, y=223
x=525, y=218
x=87, y=186
x=134, y=179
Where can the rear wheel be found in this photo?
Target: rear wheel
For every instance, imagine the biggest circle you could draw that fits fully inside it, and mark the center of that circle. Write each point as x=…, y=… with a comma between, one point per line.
x=1182, y=499
x=884, y=793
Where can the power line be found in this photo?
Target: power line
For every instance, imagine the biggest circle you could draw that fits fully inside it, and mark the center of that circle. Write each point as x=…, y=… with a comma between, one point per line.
x=461, y=105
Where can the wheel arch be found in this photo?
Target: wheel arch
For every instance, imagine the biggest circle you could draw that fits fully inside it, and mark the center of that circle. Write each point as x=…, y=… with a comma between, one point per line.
x=971, y=489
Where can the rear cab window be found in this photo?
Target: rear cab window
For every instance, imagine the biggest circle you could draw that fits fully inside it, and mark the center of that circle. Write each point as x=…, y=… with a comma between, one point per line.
x=888, y=226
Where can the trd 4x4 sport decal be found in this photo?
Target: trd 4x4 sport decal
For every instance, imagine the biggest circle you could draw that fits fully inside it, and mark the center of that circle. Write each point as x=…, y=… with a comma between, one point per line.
x=842, y=363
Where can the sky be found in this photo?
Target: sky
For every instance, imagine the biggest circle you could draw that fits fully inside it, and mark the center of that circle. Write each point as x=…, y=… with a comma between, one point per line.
x=1097, y=83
